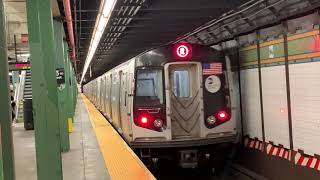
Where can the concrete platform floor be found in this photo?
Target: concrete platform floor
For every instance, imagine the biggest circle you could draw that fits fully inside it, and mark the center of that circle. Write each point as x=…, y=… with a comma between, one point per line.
x=84, y=161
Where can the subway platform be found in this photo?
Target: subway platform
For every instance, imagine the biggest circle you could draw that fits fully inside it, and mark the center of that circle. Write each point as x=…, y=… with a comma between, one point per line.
x=97, y=152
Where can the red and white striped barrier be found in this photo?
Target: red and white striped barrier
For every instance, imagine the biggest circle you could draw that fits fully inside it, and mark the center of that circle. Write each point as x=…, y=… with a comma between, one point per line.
x=310, y=161
x=253, y=144
x=271, y=149
x=299, y=159
x=278, y=151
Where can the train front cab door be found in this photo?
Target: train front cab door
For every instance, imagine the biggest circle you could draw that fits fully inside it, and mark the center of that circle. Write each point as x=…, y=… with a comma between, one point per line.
x=183, y=94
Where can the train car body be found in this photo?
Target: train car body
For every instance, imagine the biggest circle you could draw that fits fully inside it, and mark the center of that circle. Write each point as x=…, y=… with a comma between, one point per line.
x=176, y=96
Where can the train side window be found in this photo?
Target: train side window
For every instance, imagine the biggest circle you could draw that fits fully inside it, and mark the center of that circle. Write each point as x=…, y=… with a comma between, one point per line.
x=181, y=83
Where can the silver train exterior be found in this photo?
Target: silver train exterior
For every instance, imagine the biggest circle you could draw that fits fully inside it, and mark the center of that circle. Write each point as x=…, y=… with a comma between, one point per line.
x=176, y=96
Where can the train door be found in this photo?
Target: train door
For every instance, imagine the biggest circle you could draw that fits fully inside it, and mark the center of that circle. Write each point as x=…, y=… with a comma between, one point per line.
x=100, y=84
x=124, y=102
x=105, y=95
x=109, y=96
x=120, y=89
x=95, y=93
x=184, y=93
x=116, y=99
x=103, y=100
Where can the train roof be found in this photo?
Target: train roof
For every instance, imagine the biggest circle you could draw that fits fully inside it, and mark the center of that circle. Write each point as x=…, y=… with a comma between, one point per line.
x=169, y=53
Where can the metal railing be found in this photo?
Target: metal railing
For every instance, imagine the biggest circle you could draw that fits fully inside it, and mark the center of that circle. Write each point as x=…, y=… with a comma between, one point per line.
x=19, y=92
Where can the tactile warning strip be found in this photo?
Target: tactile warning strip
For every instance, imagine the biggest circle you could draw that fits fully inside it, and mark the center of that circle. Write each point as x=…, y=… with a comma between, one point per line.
x=121, y=161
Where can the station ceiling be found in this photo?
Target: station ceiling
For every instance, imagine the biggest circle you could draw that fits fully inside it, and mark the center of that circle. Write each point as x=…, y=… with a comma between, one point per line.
x=17, y=28
x=138, y=25
x=16, y=24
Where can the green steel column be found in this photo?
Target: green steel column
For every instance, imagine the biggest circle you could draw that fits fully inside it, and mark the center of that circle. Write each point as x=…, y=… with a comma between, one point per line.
x=68, y=85
x=6, y=149
x=44, y=90
x=73, y=86
x=62, y=91
x=74, y=91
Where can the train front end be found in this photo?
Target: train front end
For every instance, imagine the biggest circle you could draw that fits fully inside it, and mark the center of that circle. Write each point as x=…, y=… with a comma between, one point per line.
x=182, y=99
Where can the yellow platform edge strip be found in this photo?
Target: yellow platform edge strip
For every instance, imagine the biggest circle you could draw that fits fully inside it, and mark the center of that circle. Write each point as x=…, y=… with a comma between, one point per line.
x=121, y=162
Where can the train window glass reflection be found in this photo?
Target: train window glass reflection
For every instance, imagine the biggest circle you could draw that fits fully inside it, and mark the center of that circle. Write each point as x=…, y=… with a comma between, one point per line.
x=149, y=90
x=181, y=86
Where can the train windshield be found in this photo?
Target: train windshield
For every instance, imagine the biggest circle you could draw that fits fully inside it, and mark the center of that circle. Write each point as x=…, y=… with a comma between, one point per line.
x=149, y=87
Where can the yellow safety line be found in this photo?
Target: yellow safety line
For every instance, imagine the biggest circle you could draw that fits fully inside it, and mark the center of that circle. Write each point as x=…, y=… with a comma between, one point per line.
x=121, y=161
x=280, y=40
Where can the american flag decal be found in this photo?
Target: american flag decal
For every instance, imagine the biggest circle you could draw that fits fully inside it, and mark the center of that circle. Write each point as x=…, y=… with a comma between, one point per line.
x=211, y=68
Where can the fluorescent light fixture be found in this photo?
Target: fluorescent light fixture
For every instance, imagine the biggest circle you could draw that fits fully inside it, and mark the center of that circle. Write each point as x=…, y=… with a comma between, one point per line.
x=24, y=55
x=105, y=10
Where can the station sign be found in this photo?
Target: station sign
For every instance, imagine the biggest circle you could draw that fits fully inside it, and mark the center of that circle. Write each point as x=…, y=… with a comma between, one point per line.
x=60, y=76
x=182, y=51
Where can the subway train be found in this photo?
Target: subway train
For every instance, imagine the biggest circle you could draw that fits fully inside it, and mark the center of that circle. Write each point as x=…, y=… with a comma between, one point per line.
x=173, y=102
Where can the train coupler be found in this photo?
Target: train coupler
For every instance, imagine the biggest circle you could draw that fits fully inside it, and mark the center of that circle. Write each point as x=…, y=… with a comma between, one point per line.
x=189, y=158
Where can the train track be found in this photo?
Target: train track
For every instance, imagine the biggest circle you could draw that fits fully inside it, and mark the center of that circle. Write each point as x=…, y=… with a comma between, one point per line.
x=239, y=172
x=168, y=171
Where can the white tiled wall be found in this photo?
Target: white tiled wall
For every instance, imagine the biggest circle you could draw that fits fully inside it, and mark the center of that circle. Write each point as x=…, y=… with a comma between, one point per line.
x=251, y=103
x=274, y=93
x=305, y=98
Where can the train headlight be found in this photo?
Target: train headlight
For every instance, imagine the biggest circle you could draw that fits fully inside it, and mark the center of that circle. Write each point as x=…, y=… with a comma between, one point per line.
x=211, y=120
x=158, y=123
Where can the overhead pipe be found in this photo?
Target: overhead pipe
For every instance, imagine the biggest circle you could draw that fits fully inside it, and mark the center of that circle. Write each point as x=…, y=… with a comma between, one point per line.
x=67, y=11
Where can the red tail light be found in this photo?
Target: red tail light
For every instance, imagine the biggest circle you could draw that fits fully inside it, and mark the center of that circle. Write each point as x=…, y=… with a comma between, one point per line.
x=144, y=120
x=223, y=115
x=220, y=117
x=150, y=118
